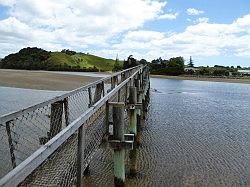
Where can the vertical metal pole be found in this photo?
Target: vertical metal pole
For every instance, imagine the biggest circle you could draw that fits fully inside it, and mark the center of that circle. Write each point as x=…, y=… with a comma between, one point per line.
x=11, y=146
x=119, y=152
x=80, y=156
x=66, y=110
x=56, y=118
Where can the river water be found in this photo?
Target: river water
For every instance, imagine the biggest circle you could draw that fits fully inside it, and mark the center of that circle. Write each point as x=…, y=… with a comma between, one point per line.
x=196, y=134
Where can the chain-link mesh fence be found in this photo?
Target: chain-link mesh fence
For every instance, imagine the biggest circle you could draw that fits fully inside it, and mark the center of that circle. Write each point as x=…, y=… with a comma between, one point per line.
x=29, y=129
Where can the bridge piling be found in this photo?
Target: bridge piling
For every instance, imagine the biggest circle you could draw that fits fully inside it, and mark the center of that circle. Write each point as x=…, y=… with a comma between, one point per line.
x=119, y=151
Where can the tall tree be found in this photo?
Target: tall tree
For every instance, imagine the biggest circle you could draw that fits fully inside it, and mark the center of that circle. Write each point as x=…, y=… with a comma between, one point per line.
x=191, y=63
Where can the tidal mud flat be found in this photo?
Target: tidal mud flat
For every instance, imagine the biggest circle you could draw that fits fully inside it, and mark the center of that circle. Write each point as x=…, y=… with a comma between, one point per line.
x=43, y=80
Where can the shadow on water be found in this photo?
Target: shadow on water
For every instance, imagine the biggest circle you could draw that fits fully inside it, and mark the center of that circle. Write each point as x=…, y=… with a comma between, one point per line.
x=196, y=134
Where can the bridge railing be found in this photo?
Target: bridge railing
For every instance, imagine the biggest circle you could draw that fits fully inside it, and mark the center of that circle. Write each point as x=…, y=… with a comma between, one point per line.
x=52, y=142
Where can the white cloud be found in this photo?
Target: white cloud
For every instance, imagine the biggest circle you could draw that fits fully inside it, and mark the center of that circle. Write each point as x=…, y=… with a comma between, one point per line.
x=72, y=24
x=115, y=26
x=202, y=40
x=202, y=20
x=194, y=12
x=168, y=16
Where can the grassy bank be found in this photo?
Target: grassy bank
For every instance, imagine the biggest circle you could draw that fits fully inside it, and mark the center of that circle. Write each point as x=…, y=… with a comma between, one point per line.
x=82, y=60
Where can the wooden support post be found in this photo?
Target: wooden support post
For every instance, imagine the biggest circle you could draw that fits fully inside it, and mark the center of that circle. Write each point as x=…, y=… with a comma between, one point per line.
x=66, y=110
x=90, y=97
x=126, y=94
x=123, y=77
x=103, y=89
x=80, y=156
x=55, y=119
x=119, y=96
x=107, y=121
x=98, y=92
x=119, y=151
x=133, y=129
x=132, y=110
x=139, y=100
x=11, y=145
x=113, y=82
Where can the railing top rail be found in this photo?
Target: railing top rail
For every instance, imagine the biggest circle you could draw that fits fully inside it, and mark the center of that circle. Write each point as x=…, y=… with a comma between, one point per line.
x=9, y=116
x=18, y=174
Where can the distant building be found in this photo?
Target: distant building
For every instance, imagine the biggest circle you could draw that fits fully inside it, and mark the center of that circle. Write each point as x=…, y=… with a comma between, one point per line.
x=244, y=72
x=190, y=69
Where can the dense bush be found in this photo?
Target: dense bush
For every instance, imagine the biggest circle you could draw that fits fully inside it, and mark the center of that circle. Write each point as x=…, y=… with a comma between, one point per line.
x=173, y=66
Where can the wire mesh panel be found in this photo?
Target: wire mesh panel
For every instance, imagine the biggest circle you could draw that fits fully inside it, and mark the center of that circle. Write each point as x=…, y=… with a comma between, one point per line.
x=59, y=169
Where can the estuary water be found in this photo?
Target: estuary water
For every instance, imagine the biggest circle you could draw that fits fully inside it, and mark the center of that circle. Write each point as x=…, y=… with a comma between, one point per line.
x=196, y=134
x=14, y=99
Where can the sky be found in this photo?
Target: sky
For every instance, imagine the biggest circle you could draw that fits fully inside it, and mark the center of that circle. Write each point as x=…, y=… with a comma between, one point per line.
x=213, y=32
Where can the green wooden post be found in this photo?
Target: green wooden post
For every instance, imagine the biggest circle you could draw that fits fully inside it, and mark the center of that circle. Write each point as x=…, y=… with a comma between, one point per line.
x=132, y=110
x=119, y=151
x=139, y=98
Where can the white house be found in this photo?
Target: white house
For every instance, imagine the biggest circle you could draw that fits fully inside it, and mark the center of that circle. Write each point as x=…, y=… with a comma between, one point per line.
x=244, y=72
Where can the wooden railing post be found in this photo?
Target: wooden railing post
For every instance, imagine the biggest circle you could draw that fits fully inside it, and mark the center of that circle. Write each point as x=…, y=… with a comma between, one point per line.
x=66, y=111
x=113, y=82
x=107, y=118
x=90, y=96
x=98, y=92
x=11, y=145
x=55, y=119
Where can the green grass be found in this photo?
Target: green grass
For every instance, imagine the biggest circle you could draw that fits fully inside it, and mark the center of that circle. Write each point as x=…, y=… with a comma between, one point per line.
x=82, y=60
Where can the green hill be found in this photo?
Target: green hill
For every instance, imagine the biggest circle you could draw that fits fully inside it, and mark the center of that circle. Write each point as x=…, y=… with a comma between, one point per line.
x=82, y=60
x=39, y=59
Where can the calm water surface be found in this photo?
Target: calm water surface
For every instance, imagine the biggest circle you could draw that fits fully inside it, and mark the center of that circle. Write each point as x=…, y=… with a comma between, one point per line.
x=13, y=99
x=196, y=134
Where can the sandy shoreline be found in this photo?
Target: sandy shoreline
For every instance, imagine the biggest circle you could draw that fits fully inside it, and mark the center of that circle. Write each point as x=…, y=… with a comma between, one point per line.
x=244, y=81
x=42, y=80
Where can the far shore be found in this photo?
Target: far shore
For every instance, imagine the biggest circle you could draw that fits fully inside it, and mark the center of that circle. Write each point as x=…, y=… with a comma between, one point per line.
x=43, y=80
x=212, y=79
